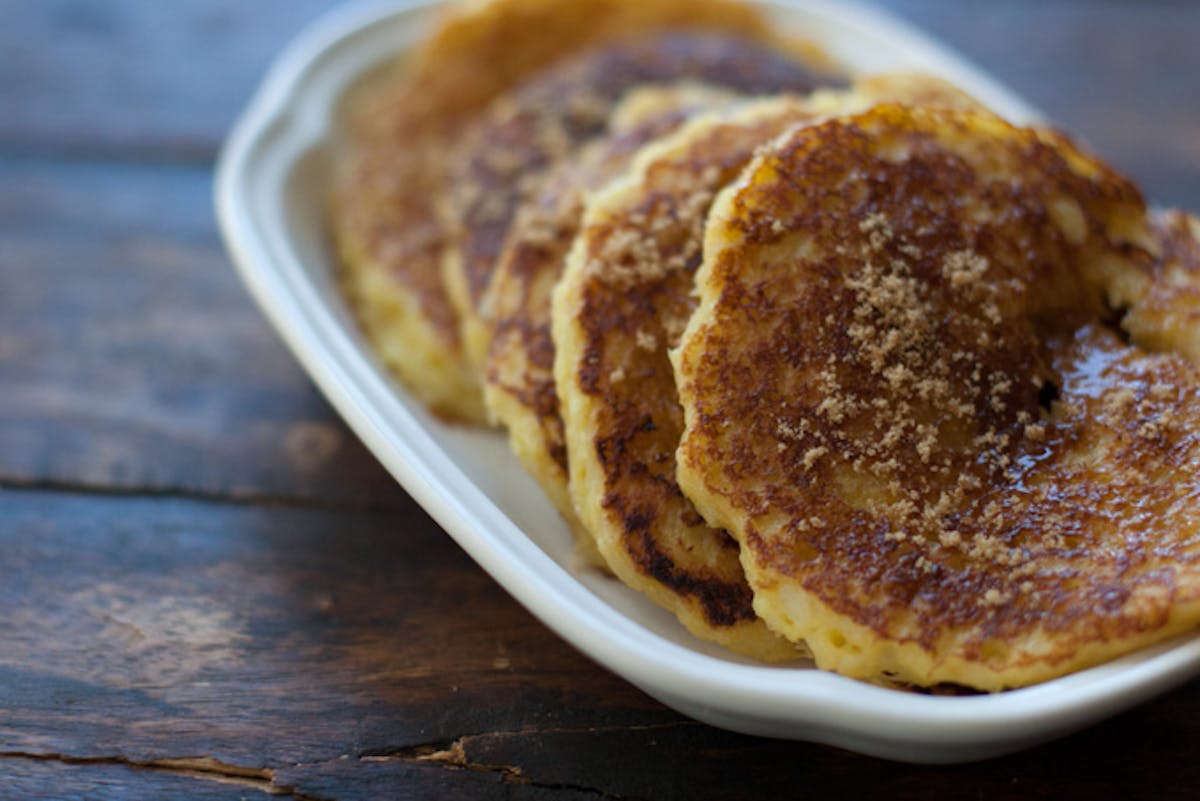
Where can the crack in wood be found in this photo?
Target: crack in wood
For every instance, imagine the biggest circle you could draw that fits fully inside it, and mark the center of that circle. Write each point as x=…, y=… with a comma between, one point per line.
x=454, y=757
x=206, y=768
x=449, y=753
x=428, y=749
x=453, y=754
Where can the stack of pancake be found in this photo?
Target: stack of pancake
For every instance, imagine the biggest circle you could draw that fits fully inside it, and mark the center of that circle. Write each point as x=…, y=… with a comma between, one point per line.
x=859, y=373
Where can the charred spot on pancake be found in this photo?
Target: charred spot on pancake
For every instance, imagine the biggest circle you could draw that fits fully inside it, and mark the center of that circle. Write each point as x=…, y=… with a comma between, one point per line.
x=1048, y=394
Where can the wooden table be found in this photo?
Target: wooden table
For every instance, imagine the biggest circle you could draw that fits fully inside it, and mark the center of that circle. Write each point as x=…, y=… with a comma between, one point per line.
x=210, y=590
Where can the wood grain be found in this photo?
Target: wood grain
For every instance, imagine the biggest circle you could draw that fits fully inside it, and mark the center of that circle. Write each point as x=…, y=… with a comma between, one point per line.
x=265, y=636
x=55, y=780
x=211, y=590
x=141, y=80
x=131, y=357
x=348, y=654
x=136, y=80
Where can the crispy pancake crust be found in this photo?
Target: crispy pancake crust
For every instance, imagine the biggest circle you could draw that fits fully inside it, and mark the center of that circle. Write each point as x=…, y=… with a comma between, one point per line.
x=544, y=121
x=390, y=234
x=623, y=298
x=483, y=47
x=390, y=243
x=899, y=399
x=519, y=388
x=1166, y=313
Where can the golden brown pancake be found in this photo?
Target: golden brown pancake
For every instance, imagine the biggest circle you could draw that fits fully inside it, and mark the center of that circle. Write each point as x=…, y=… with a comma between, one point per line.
x=914, y=89
x=519, y=386
x=545, y=120
x=390, y=243
x=389, y=233
x=622, y=301
x=901, y=401
x=1166, y=314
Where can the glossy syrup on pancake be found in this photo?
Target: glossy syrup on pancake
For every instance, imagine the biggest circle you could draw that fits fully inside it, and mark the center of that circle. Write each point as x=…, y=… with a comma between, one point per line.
x=900, y=400
x=546, y=120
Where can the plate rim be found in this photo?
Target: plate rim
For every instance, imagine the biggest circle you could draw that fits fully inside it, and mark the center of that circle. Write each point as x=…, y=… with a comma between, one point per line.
x=801, y=703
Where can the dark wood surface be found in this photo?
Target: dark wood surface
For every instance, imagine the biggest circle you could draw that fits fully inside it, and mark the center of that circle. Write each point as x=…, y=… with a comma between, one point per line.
x=210, y=590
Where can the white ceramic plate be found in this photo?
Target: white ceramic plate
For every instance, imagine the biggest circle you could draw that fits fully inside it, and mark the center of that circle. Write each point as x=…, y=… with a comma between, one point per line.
x=272, y=182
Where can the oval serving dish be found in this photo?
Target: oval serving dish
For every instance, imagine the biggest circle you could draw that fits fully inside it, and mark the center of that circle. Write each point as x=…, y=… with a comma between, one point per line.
x=272, y=186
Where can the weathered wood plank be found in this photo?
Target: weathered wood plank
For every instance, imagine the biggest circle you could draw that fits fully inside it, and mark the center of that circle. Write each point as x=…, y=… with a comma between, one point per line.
x=53, y=780
x=266, y=636
x=131, y=356
x=147, y=80
x=354, y=655
x=419, y=780
x=140, y=79
x=359, y=654
x=1115, y=759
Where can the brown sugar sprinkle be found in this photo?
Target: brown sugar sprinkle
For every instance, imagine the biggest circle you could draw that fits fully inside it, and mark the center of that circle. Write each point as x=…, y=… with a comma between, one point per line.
x=640, y=244
x=794, y=431
x=903, y=367
x=961, y=267
x=894, y=335
x=993, y=597
x=633, y=253
x=627, y=256
x=663, y=236
x=813, y=454
x=505, y=154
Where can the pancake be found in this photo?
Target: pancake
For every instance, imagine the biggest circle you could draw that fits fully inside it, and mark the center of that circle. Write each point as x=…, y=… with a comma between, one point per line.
x=545, y=120
x=1165, y=315
x=623, y=298
x=389, y=243
x=902, y=400
x=391, y=173
x=519, y=386
x=481, y=48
